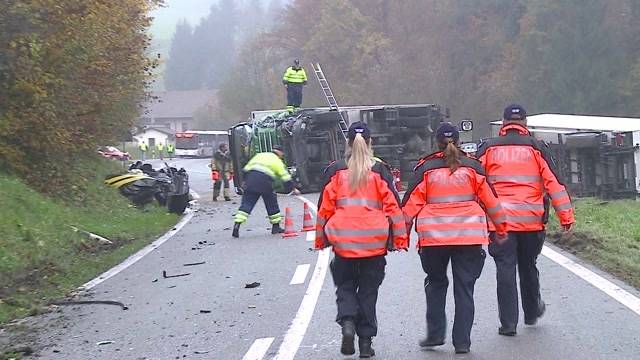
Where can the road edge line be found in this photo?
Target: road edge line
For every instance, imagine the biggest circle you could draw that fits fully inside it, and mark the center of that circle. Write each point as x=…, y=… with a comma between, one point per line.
x=258, y=349
x=142, y=252
x=298, y=328
x=614, y=291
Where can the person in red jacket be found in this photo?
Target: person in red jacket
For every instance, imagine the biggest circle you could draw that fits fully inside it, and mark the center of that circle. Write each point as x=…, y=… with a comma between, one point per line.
x=449, y=197
x=523, y=173
x=359, y=215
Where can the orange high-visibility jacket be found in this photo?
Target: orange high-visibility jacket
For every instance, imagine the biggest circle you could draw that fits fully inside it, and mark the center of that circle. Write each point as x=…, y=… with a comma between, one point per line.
x=362, y=223
x=522, y=171
x=447, y=205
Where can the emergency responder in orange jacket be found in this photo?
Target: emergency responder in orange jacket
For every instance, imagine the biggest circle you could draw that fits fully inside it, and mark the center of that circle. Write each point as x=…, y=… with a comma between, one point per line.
x=359, y=215
x=449, y=197
x=522, y=171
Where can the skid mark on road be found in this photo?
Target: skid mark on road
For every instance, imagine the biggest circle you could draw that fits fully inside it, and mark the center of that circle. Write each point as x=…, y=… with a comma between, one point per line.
x=604, y=285
x=300, y=275
x=258, y=349
x=294, y=336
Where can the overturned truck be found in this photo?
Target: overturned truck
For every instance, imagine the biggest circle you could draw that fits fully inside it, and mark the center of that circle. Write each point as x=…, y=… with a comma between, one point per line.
x=312, y=138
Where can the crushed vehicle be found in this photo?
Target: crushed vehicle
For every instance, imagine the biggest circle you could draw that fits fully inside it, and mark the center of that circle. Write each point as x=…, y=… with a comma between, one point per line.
x=142, y=184
x=312, y=138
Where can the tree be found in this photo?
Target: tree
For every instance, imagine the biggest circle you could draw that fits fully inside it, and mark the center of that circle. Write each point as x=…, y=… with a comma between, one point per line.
x=179, y=73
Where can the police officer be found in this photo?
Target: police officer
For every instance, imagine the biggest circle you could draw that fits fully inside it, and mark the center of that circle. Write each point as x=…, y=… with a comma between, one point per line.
x=221, y=170
x=294, y=79
x=445, y=197
x=356, y=186
x=522, y=171
x=160, y=149
x=143, y=150
x=170, y=150
x=264, y=174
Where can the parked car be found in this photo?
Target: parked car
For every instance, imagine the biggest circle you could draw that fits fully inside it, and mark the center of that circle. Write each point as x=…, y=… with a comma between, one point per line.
x=111, y=152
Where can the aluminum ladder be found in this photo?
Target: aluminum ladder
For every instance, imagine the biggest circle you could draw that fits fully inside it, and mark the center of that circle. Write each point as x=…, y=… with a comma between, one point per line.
x=331, y=99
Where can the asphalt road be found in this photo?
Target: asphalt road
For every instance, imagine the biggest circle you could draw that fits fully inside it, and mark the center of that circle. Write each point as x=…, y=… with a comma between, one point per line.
x=209, y=314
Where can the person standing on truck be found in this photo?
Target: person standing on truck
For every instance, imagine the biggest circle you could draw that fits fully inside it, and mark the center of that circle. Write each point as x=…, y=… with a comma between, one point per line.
x=143, y=150
x=265, y=174
x=523, y=174
x=451, y=198
x=294, y=79
x=221, y=170
x=359, y=215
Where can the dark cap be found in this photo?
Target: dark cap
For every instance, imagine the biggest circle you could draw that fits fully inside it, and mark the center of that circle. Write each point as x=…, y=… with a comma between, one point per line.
x=359, y=128
x=514, y=112
x=446, y=130
x=277, y=148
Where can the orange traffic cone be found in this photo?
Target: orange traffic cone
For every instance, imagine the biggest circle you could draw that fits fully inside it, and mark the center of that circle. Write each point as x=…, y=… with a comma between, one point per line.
x=288, y=225
x=307, y=222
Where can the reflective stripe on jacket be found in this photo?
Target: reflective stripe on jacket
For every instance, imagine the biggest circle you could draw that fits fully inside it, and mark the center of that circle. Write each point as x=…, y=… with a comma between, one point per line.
x=294, y=76
x=270, y=164
x=362, y=223
x=446, y=205
x=522, y=171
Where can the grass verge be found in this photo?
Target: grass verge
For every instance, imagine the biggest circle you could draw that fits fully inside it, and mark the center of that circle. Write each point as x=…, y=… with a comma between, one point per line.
x=607, y=234
x=42, y=258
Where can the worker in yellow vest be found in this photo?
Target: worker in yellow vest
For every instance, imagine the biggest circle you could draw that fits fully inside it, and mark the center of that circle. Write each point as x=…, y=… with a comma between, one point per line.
x=160, y=149
x=294, y=79
x=143, y=150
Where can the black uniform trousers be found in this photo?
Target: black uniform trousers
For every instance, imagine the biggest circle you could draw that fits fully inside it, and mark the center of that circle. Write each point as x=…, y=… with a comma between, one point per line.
x=294, y=95
x=257, y=185
x=467, y=262
x=357, y=282
x=521, y=249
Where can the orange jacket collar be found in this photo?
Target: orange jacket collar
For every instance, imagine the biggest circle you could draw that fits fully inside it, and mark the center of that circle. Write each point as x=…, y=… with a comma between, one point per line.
x=521, y=129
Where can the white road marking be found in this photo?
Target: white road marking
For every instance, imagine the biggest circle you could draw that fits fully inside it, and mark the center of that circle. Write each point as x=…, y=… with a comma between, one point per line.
x=300, y=275
x=606, y=286
x=142, y=253
x=311, y=236
x=294, y=336
x=258, y=349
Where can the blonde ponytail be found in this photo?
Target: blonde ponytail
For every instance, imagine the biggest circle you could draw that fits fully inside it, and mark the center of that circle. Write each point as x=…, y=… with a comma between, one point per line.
x=452, y=156
x=359, y=162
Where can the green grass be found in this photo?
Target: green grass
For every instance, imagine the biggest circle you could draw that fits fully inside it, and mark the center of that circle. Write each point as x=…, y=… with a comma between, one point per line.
x=607, y=234
x=42, y=258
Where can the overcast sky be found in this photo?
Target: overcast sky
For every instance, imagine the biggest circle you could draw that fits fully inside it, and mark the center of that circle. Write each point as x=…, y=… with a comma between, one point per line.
x=167, y=17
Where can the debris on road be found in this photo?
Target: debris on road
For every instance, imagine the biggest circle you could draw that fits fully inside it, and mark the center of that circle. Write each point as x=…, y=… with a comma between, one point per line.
x=251, y=306
x=155, y=280
x=195, y=264
x=252, y=285
x=164, y=275
x=205, y=311
x=107, y=342
x=101, y=240
x=201, y=352
x=89, y=302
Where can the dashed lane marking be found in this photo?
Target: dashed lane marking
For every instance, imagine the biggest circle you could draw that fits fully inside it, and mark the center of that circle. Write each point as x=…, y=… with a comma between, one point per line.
x=300, y=275
x=294, y=336
x=604, y=285
x=258, y=349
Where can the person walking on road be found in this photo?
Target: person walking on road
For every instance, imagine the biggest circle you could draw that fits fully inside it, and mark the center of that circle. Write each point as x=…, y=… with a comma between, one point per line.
x=359, y=215
x=264, y=174
x=449, y=197
x=294, y=79
x=523, y=174
x=171, y=148
x=160, y=149
x=143, y=150
x=221, y=170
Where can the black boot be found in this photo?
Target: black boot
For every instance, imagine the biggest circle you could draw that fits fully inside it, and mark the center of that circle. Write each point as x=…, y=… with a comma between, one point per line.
x=348, y=335
x=276, y=229
x=236, y=230
x=366, y=351
x=429, y=342
x=226, y=198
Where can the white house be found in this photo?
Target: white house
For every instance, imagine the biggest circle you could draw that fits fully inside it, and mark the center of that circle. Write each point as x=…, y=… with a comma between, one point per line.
x=151, y=136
